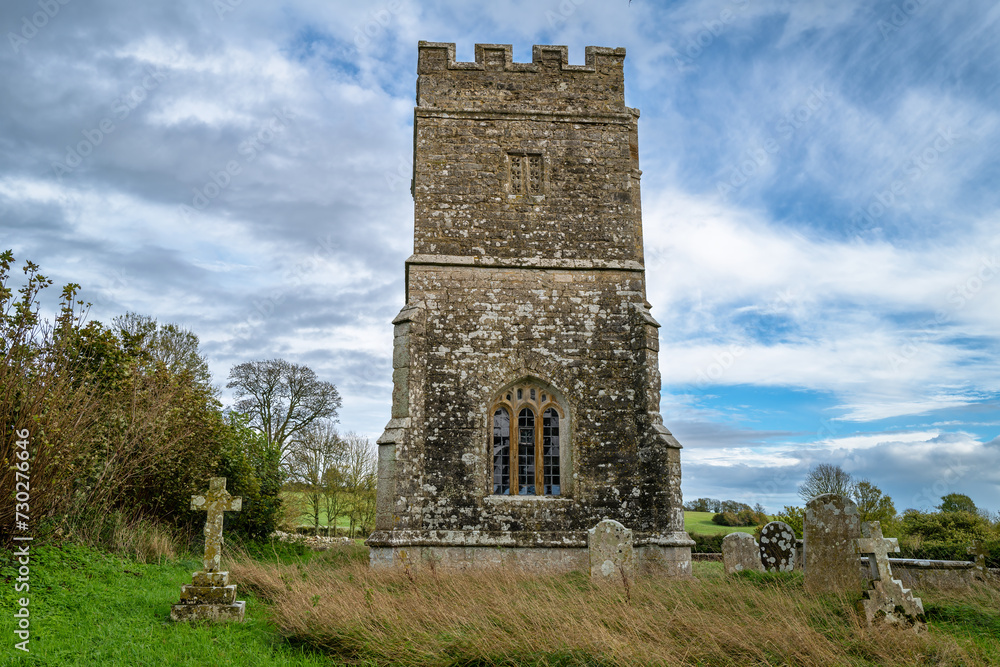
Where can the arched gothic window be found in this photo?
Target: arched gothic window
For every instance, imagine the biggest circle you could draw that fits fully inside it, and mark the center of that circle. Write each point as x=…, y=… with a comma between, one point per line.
x=526, y=442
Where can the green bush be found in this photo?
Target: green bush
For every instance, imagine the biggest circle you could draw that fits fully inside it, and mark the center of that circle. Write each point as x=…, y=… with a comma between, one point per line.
x=253, y=474
x=745, y=517
x=795, y=517
x=938, y=550
x=726, y=519
x=958, y=526
x=707, y=544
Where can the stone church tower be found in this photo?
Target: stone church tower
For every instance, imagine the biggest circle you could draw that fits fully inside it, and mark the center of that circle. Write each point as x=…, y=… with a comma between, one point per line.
x=526, y=395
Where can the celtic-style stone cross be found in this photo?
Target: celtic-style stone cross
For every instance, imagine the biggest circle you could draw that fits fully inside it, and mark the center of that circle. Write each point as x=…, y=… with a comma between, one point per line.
x=886, y=599
x=216, y=502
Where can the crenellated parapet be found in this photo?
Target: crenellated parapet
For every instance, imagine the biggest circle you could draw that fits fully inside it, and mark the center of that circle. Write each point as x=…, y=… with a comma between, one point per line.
x=495, y=82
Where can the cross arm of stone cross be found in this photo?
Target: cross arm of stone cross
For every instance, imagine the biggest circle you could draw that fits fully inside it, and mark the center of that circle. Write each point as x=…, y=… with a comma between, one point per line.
x=216, y=502
x=877, y=548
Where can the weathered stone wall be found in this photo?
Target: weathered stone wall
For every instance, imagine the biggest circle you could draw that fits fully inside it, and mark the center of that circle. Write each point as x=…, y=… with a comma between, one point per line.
x=471, y=117
x=509, y=285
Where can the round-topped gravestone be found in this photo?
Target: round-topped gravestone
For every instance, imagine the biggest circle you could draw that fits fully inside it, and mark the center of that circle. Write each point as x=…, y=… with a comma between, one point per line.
x=740, y=554
x=777, y=547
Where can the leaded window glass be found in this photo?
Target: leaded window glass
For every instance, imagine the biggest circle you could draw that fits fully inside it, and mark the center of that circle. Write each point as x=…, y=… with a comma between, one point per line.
x=501, y=451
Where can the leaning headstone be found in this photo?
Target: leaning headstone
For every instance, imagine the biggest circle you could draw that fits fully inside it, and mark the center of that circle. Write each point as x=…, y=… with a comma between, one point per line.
x=979, y=551
x=831, y=525
x=777, y=547
x=740, y=553
x=210, y=596
x=611, y=552
x=886, y=601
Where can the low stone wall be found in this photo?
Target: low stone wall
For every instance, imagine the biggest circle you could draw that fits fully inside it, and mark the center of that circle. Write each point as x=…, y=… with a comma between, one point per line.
x=712, y=558
x=919, y=573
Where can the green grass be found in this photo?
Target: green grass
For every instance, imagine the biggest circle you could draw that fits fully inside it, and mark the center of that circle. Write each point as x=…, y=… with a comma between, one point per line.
x=701, y=523
x=89, y=609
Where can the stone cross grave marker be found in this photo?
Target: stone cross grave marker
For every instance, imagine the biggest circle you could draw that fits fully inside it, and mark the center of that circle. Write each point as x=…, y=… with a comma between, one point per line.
x=777, y=547
x=740, y=553
x=831, y=525
x=978, y=549
x=216, y=502
x=611, y=554
x=886, y=599
x=210, y=596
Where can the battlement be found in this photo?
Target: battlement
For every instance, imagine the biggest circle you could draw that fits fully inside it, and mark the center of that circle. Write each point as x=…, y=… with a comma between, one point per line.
x=495, y=82
x=441, y=55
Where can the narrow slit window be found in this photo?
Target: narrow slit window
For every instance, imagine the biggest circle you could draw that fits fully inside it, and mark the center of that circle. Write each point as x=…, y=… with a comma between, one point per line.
x=526, y=452
x=501, y=452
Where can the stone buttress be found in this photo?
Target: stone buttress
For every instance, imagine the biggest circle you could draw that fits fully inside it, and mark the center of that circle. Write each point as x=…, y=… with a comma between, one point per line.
x=526, y=384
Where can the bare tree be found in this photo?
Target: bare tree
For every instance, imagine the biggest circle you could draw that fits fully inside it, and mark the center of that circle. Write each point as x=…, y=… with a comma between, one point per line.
x=359, y=471
x=311, y=457
x=282, y=399
x=826, y=478
x=334, y=497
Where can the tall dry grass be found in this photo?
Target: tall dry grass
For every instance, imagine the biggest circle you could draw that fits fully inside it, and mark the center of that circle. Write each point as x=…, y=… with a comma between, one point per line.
x=500, y=617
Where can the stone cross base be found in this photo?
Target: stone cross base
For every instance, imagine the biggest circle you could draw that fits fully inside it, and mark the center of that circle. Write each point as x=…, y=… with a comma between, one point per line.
x=210, y=597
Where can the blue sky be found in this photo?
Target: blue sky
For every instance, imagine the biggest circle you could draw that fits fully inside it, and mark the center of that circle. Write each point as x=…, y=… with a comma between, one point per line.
x=820, y=204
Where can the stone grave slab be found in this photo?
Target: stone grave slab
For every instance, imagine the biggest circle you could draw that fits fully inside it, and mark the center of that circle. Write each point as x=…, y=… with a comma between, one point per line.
x=740, y=553
x=611, y=553
x=832, y=523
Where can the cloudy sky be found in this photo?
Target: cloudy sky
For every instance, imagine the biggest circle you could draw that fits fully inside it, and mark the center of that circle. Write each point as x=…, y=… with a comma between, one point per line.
x=820, y=195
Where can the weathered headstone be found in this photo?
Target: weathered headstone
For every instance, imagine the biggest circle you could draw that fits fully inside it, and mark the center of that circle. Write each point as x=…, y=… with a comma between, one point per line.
x=831, y=525
x=740, y=553
x=886, y=600
x=611, y=552
x=777, y=547
x=979, y=551
x=210, y=596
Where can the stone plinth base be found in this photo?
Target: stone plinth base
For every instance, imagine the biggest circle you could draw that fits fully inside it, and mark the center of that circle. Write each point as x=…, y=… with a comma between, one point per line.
x=663, y=555
x=208, y=612
x=209, y=598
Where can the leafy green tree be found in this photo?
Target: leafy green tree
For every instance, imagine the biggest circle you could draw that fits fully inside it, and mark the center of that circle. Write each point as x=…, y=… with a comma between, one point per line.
x=957, y=502
x=872, y=504
x=168, y=344
x=795, y=517
x=958, y=526
x=252, y=471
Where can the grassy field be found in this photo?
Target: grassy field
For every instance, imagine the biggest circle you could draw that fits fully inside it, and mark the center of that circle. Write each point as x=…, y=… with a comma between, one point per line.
x=91, y=609
x=701, y=523
x=303, y=512
x=329, y=608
